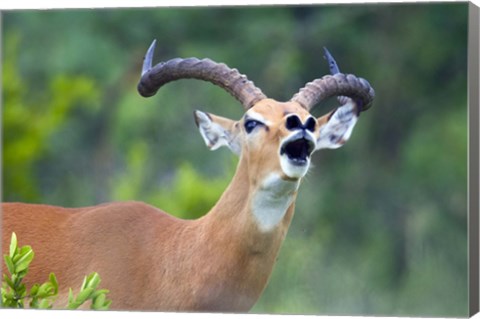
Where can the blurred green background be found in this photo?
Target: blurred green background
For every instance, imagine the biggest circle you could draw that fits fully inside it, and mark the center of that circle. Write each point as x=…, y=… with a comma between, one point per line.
x=381, y=223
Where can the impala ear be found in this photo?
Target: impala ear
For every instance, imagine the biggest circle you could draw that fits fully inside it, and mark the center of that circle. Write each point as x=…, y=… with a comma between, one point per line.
x=218, y=131
x=337, y=126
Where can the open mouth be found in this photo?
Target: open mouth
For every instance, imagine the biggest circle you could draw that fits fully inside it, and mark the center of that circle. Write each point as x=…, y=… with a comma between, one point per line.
x=298, y=150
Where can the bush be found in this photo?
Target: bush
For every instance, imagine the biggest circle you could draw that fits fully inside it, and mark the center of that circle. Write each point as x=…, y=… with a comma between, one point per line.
x=15, y=295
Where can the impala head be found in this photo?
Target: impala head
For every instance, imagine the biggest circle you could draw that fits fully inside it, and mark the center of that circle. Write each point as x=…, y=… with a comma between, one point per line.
x=273, y=137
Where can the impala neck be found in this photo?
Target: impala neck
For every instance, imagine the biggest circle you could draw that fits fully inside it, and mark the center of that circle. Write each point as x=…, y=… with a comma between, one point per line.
x=243, y=234
x=257, y=211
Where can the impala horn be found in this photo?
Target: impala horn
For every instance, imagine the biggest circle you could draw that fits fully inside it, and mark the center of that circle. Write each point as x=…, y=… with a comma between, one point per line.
x=207, y=70
x=337, y=84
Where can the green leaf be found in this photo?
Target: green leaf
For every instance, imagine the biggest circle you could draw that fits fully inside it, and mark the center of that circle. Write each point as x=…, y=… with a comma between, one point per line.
x=98, y=301
x=21, y=252
x=8, y=282
x=21, y=291
x=106, y=306
x=73, y=305
x=8, y=299
x=13, y=245
x=16, y=279
x=103, y=305
x=20, y=274
x=3, y=292
x=45, y=290
x=93, y=280
x=71, y=298
x=98, y=292
x=34, y=302
x=84, y=283
x=25, y=260
x=73, y=302
x=34, y=290
x=44, y=304
x=9, y=263
x=53, y=280
x=84, y=295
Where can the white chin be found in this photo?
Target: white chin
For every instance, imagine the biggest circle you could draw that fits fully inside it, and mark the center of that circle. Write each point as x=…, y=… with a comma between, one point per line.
x=292, y=168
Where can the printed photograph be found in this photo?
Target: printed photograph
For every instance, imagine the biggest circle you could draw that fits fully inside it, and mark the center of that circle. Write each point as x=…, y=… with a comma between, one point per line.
x=301, y=159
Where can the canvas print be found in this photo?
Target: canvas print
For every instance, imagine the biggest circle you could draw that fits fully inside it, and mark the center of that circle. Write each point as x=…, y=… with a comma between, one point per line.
x=304, y=159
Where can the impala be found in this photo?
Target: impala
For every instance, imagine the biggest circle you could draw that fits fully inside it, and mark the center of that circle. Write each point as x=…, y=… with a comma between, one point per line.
x=150, y=260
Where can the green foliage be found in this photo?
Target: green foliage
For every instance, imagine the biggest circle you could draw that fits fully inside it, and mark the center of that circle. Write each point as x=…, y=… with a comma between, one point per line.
x=17, y=261
x=43, y=295
x=191, y=194
x=30, y=120
x=188, y=195
x=89, y=291
x=14, y=292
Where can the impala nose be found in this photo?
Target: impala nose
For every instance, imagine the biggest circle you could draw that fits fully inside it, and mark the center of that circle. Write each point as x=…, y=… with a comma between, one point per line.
x=293, y=122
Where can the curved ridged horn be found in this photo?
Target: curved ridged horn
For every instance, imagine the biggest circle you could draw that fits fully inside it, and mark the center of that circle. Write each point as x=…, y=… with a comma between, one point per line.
x=207, y=70
x=337, y=84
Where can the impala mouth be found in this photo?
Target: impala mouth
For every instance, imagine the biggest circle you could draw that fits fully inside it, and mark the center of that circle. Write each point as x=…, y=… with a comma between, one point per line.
x=298, y=150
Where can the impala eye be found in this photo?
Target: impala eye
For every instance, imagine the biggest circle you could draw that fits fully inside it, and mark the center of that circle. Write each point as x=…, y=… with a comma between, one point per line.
x=251, y=124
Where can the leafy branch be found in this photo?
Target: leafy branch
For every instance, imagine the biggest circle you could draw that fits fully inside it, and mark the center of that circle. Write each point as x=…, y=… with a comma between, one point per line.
x=14, y=291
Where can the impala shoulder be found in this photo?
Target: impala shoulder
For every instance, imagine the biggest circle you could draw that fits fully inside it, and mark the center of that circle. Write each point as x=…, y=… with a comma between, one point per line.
x=134, y=212
x=136, y=208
